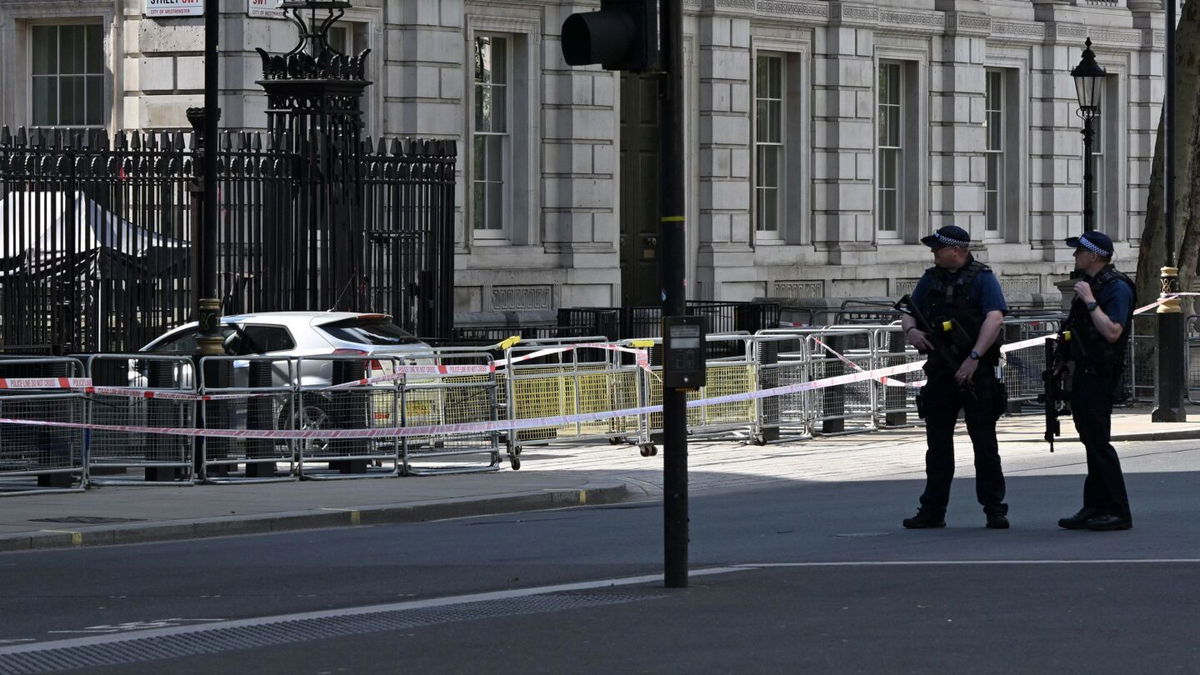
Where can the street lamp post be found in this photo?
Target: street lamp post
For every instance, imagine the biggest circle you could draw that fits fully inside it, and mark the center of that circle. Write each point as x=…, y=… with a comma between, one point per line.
x=1089, y=85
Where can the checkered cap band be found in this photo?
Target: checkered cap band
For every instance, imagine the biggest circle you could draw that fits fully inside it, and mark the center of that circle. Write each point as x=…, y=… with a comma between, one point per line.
x=949, y=241
x=1092, y=247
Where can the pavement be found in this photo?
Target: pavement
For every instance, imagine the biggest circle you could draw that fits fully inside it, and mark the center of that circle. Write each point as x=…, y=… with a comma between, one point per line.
x=551, y=477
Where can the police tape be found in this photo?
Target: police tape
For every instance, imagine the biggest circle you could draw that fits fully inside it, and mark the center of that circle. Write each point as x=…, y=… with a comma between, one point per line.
x=44, y=382
x=472, y=427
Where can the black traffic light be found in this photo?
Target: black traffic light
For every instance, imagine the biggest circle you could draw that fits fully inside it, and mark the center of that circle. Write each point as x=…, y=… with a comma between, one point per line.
x=623, y=35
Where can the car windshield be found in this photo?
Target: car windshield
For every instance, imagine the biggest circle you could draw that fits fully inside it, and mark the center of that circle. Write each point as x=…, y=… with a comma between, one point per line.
x=368, y=332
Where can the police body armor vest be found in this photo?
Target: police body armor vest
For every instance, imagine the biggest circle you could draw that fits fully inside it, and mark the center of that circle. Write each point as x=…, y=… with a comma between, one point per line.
x=949, y=299
x=1087, y=346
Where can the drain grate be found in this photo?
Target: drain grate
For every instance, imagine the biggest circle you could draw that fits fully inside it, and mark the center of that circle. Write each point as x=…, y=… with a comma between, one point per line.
x=87, y=520
x=214, y=639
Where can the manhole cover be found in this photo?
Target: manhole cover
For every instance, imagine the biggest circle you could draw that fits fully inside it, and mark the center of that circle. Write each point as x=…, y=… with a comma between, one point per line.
x=863, y=534
x=87, y=520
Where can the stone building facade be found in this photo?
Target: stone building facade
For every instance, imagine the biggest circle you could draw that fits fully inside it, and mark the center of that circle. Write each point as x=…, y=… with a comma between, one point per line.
x=824, y=137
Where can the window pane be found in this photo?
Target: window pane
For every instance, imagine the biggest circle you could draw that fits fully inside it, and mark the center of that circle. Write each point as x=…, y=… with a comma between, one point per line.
x=67, y=101
x=483, y=107
x=495, y=156
x=70, y=49
x=995, y=126
x=495, y=199
x=499, y=65
x=770, y=210
x=482, y=47
x=761, y=70
x=499, y=112
x=479, y=205
x=775, y=129
x=993, y=212
x=94, y=112
x=45, y=50
x=45, y=101
x=95, y=49
x=893, y=130
x=761, y=111
x=770, y=174
x=776, y=77
x=480, y=157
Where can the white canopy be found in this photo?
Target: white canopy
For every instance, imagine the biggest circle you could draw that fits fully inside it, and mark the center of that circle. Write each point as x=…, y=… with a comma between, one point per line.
x=36, y=223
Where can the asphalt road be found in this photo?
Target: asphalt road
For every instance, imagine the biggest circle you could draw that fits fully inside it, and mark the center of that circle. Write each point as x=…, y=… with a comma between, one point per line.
x=793, y=576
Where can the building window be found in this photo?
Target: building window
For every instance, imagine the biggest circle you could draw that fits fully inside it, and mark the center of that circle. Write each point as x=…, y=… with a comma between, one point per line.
x=68, y=75
x=995, y=127
x=890, y=197
x=491, y=136
x=1096, y=163
x=769, y=160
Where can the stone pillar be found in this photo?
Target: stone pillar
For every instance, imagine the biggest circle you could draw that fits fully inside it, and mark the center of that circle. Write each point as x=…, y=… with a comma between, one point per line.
x=843, y=136
x=957, y=93
x=579, y=172
x=724, y=191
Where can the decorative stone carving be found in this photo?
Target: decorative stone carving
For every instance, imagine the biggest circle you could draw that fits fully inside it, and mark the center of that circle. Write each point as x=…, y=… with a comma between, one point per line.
x=794, y=8
x=799, y=289
x=1012, y=285
x=521, y=297
x=903, y=286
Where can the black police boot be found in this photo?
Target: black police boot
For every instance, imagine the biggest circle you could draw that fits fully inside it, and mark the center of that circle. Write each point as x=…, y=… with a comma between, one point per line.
x=1107, y=522
x=925, y=520
x=1079, y=520
x=997, y=521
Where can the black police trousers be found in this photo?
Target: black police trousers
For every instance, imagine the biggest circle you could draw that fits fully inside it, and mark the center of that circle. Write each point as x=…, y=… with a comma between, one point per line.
x=941, y=401
x=1091, y=406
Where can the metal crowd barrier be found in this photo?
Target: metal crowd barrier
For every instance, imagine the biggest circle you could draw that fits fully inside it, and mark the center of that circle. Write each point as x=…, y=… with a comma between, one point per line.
x=462, y=390
x=146, y=391
x=248, y=392
x=347, y=403
x=41, y=458
x=726, y=376
x=569, y=379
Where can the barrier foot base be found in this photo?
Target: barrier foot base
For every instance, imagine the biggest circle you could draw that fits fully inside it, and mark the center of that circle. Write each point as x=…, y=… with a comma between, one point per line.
x=349, y=466
x=260, y=469
x=55, y=480
x=164, y=473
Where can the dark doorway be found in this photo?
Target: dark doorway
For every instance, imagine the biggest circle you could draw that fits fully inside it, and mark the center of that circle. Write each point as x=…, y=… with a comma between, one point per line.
x=639, y=190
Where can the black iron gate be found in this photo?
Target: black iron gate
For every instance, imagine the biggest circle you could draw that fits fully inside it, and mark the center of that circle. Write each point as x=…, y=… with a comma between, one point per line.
x=96, y=254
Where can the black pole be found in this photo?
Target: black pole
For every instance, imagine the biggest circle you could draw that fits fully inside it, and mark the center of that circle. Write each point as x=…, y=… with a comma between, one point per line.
x=1168, y=121
x=672, y=234
x=208, y=230
x=208, y=303
x=1169, y=386
x=1089, y=176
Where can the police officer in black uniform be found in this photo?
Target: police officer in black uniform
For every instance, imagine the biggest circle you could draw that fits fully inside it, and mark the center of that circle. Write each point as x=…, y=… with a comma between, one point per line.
x=1094, y=357
x=956, y=319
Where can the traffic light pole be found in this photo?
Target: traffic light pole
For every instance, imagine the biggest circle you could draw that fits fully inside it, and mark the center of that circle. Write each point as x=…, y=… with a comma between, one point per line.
x=671, y=276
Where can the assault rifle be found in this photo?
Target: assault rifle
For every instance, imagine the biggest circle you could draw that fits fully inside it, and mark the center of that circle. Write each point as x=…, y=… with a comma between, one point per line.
x=946, y=337
x=1054, y=399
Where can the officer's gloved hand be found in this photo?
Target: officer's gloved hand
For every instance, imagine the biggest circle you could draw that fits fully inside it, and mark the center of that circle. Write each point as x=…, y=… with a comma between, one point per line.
x=919, y=340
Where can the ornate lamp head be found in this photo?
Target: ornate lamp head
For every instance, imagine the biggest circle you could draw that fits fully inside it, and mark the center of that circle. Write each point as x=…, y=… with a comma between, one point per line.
x=1089, y=82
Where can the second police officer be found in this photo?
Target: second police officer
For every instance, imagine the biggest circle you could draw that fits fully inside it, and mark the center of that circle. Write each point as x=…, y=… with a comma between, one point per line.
x=955, y=318
x=1099, y=324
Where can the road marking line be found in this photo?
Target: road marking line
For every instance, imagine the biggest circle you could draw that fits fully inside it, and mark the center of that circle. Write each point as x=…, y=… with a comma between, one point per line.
x=357, y=611
x=913, y=563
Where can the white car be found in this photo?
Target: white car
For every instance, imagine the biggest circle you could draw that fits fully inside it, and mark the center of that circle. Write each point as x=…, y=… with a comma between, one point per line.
x=295, y=334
